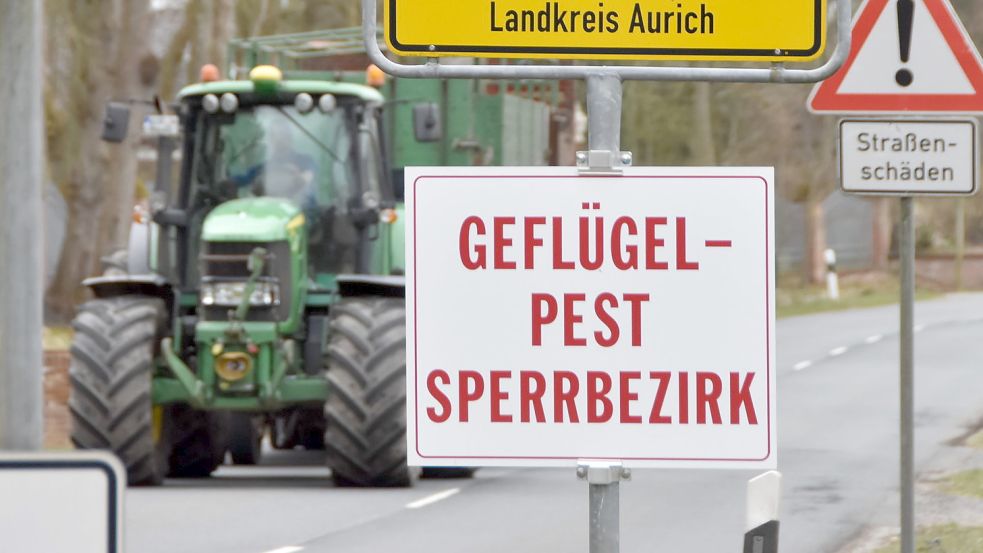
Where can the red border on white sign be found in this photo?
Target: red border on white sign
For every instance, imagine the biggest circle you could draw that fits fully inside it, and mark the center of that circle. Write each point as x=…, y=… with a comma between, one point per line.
x=769, y=258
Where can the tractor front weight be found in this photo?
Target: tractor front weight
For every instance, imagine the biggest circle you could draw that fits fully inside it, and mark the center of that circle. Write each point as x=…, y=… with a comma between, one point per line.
x=243, y=375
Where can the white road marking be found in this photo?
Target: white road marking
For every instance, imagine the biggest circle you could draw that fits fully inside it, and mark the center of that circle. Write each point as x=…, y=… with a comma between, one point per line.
x=802, y=365
x=837, y=351
x=431, y=499
x=287, y=549
x=874, y=339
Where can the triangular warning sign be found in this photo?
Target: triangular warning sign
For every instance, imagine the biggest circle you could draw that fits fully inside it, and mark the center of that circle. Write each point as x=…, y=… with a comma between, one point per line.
x=910, y=56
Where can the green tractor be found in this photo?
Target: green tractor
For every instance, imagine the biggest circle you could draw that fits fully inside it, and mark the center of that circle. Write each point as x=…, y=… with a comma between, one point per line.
x=266, y=295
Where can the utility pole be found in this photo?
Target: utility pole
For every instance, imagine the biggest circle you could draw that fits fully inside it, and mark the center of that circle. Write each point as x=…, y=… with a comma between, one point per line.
x=21, y=225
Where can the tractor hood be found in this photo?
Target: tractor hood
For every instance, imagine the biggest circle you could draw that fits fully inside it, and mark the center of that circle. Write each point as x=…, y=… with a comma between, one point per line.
x=253, y=220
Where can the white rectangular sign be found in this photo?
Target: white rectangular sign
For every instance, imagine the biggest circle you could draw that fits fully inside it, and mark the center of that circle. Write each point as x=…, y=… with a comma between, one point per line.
x=61, y=502
x=554, y=317
x=906, y=157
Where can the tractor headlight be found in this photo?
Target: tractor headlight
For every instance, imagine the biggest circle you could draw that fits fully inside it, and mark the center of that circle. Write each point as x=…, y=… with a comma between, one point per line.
x=230, y=294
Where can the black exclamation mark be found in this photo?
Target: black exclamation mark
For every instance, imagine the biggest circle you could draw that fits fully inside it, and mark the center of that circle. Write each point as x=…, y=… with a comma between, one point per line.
x=906, y=13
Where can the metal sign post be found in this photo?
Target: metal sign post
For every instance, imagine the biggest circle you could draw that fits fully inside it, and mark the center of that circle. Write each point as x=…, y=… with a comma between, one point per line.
x=604, y=484
x=907, y=380
x=604, y=97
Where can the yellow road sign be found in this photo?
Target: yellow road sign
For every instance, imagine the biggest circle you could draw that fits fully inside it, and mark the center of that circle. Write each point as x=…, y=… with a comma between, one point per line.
x=715, y=30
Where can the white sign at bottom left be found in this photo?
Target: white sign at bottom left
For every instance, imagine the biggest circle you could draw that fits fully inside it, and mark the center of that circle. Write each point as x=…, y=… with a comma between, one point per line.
x=61, y=503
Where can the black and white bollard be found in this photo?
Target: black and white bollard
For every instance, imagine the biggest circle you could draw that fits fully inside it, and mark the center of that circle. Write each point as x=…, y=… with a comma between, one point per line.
x=832, y=280
x=763, y=495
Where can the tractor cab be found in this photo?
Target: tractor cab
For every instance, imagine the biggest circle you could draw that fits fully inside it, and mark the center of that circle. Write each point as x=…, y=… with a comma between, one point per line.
x=314, y=144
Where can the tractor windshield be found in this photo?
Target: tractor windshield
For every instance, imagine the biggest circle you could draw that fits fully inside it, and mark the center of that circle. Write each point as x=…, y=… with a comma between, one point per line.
x=327, y=163
x=271, y=150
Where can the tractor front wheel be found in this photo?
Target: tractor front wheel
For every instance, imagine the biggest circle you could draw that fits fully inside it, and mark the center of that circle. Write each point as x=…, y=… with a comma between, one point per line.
x=365, y=414
x=112, y=365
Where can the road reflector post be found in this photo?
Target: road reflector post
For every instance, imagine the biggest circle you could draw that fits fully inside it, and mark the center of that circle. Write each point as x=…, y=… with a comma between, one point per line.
x=763, y=497
x=832, y=279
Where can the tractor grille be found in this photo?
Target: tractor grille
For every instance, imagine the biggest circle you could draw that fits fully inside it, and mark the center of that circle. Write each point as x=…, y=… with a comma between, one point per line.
x=229, y=261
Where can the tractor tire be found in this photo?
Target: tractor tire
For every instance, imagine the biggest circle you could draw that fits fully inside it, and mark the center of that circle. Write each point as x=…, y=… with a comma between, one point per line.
x=197, y=439
x=365, y=413
x=246, y=439
x=112, y=358
x=447, y=472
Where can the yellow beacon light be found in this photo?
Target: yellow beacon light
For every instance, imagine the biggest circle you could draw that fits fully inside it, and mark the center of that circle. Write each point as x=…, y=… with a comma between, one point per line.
x=374, y=76
x=265, y=78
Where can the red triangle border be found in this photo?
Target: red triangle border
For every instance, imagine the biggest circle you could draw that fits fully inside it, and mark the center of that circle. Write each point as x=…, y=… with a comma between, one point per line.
x=825, y=97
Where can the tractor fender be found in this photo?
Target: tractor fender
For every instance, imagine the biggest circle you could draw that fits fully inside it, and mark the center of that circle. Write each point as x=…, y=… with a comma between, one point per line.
x=371, y=285
x=111, y=286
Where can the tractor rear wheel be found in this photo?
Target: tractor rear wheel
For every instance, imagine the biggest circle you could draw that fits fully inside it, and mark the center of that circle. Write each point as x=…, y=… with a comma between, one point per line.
x=365, y=414
x=110, y=403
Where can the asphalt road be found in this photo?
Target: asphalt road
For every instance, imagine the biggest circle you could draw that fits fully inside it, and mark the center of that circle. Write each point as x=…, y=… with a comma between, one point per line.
x=838, y=436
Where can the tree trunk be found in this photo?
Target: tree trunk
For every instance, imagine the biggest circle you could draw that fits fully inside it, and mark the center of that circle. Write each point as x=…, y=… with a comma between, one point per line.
x=87, y=58
x=881, y=241
x=814, y=262
x=100, y=187
x=222, y=30
x=120, y=183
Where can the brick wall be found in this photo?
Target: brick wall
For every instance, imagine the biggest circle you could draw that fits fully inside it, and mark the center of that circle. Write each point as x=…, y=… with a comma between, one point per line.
x=56, y=420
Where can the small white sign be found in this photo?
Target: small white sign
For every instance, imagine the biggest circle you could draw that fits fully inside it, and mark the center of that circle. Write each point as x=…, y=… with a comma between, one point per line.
x=554, y=317
x=908, y=156
x=161, y=125
x=61, y=503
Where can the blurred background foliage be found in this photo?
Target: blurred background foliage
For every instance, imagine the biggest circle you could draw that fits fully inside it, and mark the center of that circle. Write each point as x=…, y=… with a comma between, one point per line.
x=98, y=50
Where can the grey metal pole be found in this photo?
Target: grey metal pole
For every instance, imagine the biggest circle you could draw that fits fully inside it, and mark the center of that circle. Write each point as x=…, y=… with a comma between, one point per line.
x=604, y=96
x=907, y=376
x=605, y=518
x=21, y=226
x=604, y=486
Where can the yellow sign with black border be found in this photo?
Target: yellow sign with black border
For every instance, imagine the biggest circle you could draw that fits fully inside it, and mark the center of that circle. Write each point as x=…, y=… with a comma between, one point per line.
x=685, y=30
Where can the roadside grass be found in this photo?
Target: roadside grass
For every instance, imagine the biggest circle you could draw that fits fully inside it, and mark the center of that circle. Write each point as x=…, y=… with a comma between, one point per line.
x=946, y=538
x=56, y=338
x=968, y=483
x=794, y=297
x=976, y=440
